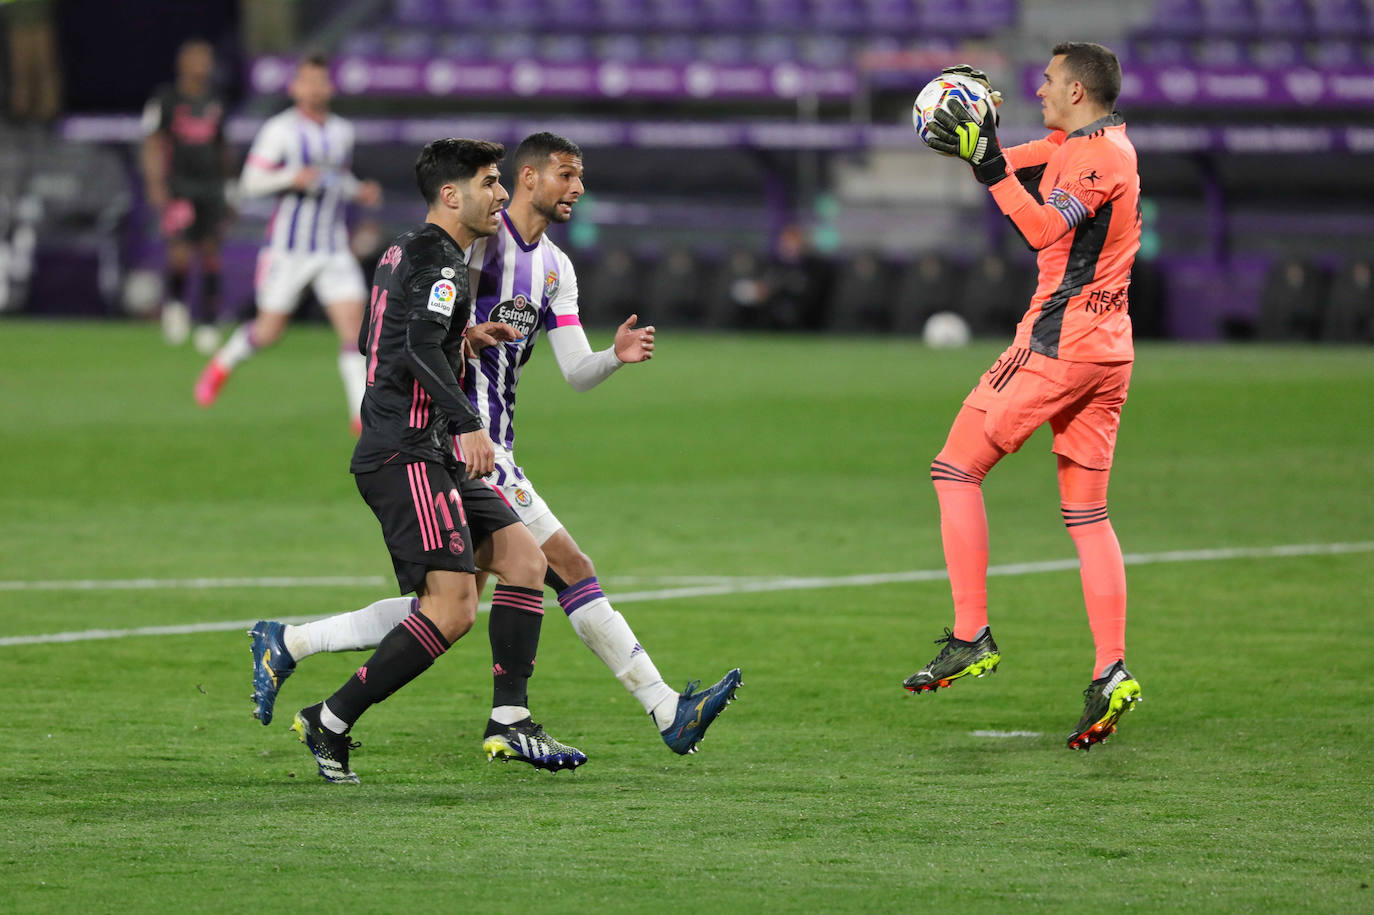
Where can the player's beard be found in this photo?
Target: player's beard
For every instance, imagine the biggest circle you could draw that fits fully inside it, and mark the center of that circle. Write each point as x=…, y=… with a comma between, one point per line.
x=550, y=211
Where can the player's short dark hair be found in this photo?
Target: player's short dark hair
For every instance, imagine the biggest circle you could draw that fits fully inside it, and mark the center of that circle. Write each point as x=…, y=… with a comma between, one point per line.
x=453, y=160
x=536, y=148
x=314, y=59
x=1096, y=67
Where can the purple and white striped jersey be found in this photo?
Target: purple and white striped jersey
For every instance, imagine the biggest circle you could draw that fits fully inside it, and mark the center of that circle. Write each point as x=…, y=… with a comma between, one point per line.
x=310, y=221
x=530, y=287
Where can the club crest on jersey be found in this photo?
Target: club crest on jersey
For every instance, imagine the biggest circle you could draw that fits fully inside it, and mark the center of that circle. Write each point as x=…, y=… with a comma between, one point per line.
x=550, y=283
x=518, y=313
x=523, y=498
x=441, y=296
x=447, y=273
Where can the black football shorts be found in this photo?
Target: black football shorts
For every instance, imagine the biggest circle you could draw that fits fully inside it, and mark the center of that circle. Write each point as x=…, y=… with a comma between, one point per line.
x=429, y=520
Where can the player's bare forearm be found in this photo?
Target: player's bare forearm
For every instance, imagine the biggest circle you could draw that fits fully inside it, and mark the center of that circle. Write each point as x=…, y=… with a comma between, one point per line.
x=154, y=172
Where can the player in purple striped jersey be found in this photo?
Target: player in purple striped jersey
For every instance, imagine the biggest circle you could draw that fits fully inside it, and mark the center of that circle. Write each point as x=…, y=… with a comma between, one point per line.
x=303, y=157
x=521, y=279
x=522, y=285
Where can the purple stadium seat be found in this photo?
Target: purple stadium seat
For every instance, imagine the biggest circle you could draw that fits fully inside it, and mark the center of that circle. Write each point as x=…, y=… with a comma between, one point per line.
x=465, y=12
x=565, y=48
x=1344, y=18
x=987, y=16
x=1219, y=52
x=520, y=14
x=943, y=17
x=1161, y=52
x=513, y=46
x=427, y=13
x=1229, y=18
x=890, y=17
x=411, y=44
x=724, y=49
x=1276, y=54
x=783, y=15
x=1283, y=18
x=826, y=51
x=731, y=15
x=574, y=15
x=625, y=15
x=773, y=48
x=845, y=17
x=623, y=48
x=673, y=49
x=1335, y=54
x=463, y=46
x=677, y=15
x=362, y=44
x=1177, y=18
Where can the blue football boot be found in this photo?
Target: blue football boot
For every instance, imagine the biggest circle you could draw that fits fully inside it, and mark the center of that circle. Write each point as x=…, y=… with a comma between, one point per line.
x=272, y=664
x=696, y=711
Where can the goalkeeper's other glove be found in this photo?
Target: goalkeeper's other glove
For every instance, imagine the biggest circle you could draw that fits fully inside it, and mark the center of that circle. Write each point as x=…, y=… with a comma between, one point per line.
x=973, y=73
x=955, y=132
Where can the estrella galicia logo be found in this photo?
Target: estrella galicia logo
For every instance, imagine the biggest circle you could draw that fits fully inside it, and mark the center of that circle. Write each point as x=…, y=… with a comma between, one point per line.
x=518, y=313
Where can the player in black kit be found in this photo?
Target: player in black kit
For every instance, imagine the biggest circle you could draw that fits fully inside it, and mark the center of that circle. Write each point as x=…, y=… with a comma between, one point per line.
x=185, y=163
x=419, y=465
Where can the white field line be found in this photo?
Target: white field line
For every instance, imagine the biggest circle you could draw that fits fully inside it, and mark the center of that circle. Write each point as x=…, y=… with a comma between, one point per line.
x=722, y=588
x=195, y=584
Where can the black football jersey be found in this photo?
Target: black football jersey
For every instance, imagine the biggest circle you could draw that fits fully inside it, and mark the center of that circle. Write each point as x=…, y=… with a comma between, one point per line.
x=412, y=339
x=195, y=125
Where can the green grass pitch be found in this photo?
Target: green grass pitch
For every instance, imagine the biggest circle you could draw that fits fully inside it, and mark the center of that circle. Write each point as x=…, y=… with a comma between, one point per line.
x=132, y=777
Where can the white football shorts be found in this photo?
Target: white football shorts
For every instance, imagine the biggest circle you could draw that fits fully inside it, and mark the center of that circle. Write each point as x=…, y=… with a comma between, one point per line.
x=282, y=276
x=510, y=481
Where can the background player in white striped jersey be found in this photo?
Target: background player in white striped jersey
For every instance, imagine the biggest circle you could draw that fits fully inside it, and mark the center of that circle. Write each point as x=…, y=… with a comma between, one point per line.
x=303, y=157
x=522, y=284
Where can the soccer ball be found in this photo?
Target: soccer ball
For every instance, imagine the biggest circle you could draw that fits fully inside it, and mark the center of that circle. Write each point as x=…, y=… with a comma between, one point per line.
x=970, y=92
x=946, y=330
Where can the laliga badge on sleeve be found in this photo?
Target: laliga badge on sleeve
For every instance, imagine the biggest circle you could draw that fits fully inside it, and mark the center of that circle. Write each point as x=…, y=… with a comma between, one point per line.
x=441, y=296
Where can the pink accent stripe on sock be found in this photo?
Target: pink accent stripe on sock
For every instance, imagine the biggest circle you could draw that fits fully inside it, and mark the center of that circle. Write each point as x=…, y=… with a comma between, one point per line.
x=571, y=595
x=423, y=636
x=530, y=603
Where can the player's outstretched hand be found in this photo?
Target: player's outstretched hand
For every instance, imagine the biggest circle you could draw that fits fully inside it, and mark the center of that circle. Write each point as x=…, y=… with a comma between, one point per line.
x=370, y=194
x=306, y=178
x=977, y=75
x=489, y=333
x=634, y=344
x=955, y=132
x=478, y=453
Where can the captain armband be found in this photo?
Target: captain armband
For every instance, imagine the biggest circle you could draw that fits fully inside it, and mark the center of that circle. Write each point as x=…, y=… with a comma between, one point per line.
x=1068, y=206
